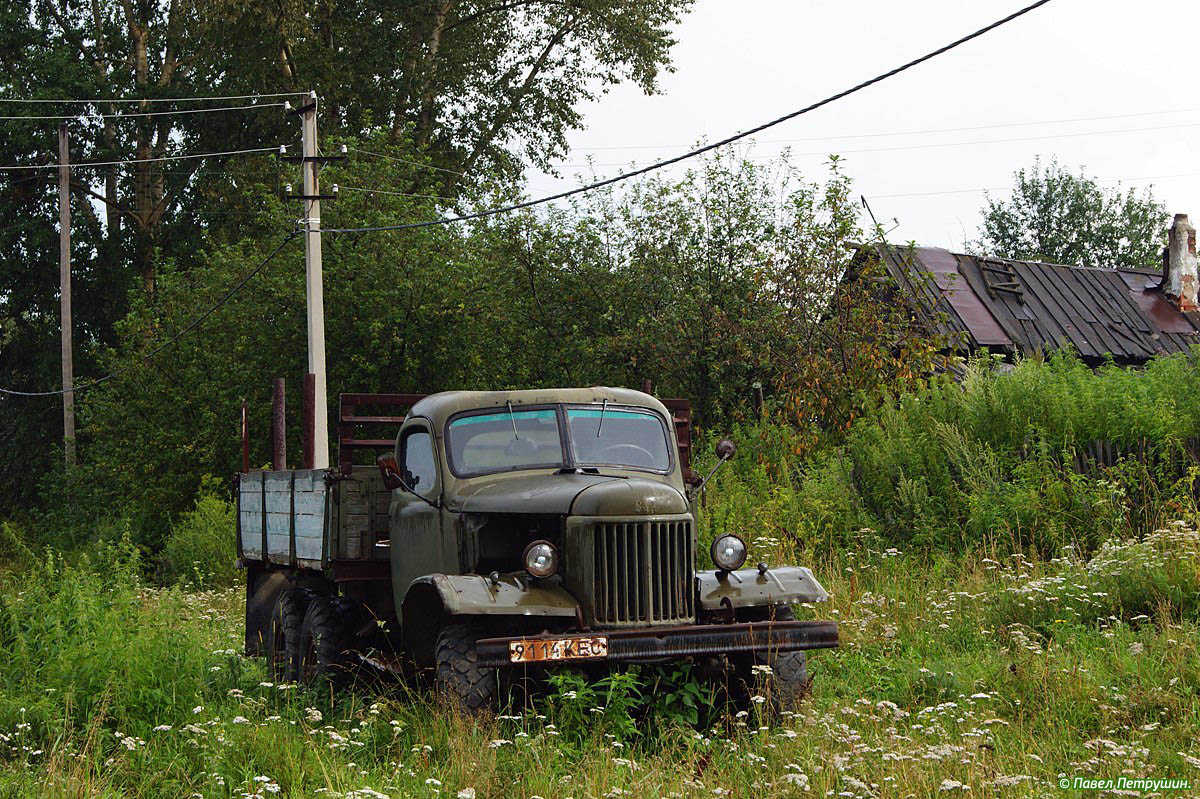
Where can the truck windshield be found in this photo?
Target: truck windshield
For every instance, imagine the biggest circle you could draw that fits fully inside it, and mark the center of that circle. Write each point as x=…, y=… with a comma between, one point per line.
x=502, y=441
x=612, y=437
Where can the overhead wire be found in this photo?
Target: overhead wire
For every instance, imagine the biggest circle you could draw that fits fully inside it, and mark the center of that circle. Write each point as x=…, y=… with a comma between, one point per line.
x=922, y=132
x=190, y=326
x=134, y=114
x=488, y=212
x=936, y=145
x=706, y=148
x=180, y=157
x=404, y=161
x=82, y=101
x=343, y=187
x=1009, y=188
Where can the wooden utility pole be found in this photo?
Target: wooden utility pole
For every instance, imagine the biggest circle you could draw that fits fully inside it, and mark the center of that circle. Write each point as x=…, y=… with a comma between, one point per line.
x=310, y=165
x=64, y=285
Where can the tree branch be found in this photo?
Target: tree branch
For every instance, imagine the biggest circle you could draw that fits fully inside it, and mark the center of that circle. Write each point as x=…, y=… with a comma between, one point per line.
x=86, y=189
x=506, y=113
x=483, y=12
x=69, y=34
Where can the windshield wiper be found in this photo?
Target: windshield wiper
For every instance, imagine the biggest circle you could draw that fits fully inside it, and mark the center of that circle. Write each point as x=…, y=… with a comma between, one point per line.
x=600, y=426
x=512, y=418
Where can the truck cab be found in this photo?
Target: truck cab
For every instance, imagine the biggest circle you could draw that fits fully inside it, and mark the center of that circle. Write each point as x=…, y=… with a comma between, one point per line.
x=524, y=530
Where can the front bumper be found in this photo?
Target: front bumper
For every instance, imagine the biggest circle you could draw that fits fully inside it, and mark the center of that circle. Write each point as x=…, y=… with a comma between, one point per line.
x=654, y=643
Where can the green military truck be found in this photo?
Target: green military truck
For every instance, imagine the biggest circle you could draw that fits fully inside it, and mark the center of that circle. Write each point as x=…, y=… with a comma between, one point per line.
x=501, y=533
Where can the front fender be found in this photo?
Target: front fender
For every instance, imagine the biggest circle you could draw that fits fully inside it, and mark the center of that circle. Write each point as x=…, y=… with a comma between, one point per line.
x=515, y=595
x=747, y=588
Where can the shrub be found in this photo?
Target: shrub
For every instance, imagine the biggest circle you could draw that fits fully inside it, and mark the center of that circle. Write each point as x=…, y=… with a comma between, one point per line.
x=1132, y=580
x=997, y=458
x=77, y=642
x=201, y=548
x=14, y=551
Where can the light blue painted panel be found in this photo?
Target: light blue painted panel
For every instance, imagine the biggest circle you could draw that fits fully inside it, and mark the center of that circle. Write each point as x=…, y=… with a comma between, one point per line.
x=278, y=501
x=305, y=509
x=279, y=524
x=313, y=504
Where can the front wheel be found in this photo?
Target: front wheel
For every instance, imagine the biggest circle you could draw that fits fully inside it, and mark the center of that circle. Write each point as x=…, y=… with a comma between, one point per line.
x=780, y=678
x=458, y=677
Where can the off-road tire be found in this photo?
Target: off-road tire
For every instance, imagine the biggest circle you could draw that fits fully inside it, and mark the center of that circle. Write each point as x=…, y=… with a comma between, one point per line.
x=458, y=677
x=328, y=643
x=282, y=644
x=787, y=682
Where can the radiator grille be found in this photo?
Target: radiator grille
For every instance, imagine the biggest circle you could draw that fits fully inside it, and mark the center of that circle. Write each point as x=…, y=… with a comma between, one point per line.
x=643, y=572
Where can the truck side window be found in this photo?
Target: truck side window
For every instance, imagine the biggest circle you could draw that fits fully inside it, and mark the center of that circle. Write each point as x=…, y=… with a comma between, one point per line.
x=419, y=469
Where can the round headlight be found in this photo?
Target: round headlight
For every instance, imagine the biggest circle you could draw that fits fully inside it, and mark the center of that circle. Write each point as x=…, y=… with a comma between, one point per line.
x=541, y=559
x=728, y=552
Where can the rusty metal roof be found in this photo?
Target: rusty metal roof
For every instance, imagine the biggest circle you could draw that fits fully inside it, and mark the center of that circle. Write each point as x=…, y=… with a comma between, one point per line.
x=1014, y=306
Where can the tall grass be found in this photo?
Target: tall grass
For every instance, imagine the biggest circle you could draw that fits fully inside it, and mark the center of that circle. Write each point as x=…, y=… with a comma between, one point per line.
x=1003, y=619
x=990, y=459
x=996, y=672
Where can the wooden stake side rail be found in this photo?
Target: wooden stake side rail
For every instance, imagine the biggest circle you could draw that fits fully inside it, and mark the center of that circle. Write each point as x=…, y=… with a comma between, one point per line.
x=349, y=420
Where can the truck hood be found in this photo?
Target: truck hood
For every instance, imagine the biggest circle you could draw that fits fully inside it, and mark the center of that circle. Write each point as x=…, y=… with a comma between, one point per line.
x=569, y=494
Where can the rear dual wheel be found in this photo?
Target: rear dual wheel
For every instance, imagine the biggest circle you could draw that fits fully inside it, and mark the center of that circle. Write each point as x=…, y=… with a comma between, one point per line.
x=313, y=635
x=282, y=645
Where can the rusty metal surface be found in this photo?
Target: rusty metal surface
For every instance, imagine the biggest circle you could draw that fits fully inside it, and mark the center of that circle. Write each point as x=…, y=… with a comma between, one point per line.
x=308, y=422
x=681, y=418
x=278, y=427
x=969, y=309
x=1143, y=288
x=245, y=437
x=697, y=639
x=350, y=420
x=1016, y=306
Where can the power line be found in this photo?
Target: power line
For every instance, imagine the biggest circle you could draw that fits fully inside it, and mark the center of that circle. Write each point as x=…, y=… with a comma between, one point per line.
x=85, y=115
x=404, y=161
x=1009, y=188
x=936, y=145
x=910, y=132
x=391, y=193
x=708, y=147
x=148, y=160
x=82, y=101
x=190, y=326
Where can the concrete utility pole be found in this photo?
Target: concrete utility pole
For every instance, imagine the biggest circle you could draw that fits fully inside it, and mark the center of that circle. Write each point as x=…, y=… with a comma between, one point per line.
x=310, y=165
x=64, y=283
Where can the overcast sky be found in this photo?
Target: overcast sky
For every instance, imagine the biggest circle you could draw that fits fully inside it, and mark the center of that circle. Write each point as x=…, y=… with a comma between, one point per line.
x=742, y=62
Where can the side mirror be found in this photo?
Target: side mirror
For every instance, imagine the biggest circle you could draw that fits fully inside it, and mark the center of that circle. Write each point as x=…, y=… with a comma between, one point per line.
x=390, y=471
x=725, y=450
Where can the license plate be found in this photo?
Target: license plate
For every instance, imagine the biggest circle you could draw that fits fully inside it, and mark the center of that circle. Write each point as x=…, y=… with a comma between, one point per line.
x=524, y=650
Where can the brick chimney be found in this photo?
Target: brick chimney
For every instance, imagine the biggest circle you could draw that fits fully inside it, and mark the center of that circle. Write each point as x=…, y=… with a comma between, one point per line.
x=1179, y=264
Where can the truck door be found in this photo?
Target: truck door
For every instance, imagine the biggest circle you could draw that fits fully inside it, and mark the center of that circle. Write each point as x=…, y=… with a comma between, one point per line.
x=417, y=545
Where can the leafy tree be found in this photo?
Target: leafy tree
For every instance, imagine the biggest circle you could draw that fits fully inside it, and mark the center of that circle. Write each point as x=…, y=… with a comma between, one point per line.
x=473, y=89
x=1058, y=217
x=729, y=275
